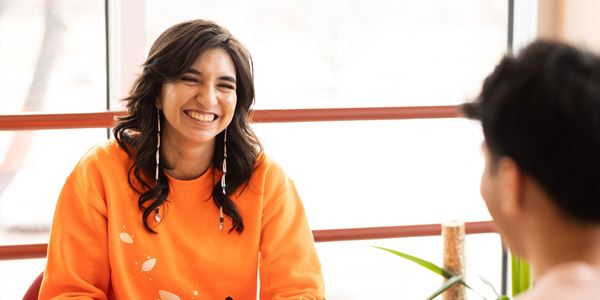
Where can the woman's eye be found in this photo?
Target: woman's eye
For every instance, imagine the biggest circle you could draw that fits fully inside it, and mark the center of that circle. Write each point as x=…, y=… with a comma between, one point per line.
x=188, y=79
x=227, y=86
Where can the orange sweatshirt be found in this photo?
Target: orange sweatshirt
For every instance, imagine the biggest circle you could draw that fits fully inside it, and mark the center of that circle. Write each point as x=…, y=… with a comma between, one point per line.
x=99, y=248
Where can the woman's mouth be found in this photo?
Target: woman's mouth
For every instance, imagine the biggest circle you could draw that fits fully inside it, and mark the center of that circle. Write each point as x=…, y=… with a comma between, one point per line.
x=201, y=117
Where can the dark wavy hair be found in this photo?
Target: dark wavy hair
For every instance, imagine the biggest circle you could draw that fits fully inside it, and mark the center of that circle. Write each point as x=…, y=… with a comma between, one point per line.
x=542, y=109
x=171, y=55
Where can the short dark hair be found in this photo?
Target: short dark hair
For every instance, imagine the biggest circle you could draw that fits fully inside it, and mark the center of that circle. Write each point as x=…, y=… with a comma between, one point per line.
x=542, y=109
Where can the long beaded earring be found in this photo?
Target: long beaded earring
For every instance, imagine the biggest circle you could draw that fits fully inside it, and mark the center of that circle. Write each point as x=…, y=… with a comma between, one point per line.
x=223, y=185
x=157, y=216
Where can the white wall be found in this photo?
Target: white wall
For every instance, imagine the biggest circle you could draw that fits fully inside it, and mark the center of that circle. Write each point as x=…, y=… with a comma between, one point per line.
x=573, y=21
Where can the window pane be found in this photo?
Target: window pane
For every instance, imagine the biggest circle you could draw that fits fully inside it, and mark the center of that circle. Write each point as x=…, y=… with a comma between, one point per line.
x=52, y=56
x=34, y=166
x=356, y=53
x=354, y=270
x=382, y=173
x=17, y=275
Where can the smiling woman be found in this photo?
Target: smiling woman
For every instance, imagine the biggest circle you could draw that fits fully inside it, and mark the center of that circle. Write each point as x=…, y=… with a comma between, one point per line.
x=196, y=108
x=135, y=212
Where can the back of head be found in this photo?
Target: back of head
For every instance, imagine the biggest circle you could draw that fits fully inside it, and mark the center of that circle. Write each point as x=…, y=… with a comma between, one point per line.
x=542, y=109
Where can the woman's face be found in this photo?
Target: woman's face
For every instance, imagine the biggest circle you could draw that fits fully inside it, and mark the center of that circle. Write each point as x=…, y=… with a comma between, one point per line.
x=201, y=103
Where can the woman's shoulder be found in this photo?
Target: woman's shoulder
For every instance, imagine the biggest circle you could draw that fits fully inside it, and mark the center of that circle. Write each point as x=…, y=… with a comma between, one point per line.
x=266, y=164
x=105, y=154
x=106, y=149
x=267, y=169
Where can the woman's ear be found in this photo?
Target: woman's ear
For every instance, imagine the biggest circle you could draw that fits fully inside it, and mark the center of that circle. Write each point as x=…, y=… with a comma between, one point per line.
x=158, y=103
x=510, y=180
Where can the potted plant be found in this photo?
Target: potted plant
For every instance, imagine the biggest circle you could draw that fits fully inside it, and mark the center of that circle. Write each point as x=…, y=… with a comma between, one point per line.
x=520, y=275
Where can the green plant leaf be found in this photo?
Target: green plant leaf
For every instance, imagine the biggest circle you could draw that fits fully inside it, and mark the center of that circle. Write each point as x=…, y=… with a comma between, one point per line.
x=515, y=264
x=451, y=278
x=488, y=283
x=427, y=264
x=458, y=279
x=520, y=274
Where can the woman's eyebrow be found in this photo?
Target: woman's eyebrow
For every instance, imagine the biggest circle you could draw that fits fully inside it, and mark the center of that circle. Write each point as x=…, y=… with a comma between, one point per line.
x=228, y=78
x=224, y=77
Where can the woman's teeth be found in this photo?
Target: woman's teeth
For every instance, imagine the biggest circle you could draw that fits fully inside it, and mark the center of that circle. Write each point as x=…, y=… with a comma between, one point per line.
x=201, y=117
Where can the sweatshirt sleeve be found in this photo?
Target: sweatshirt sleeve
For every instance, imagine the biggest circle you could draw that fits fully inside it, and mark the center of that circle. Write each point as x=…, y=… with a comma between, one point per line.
x=77, y=263
x=289, y=268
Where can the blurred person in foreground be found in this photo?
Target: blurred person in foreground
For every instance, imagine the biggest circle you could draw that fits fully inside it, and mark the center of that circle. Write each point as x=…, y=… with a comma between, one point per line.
x=540, y=114
x=183, y=203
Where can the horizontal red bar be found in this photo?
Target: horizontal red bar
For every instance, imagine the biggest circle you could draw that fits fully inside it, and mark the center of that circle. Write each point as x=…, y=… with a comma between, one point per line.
x=37, y=121
x=23, y=251
x=328, y=235
x=370, y=233
x=354, y=114
x=58, y=121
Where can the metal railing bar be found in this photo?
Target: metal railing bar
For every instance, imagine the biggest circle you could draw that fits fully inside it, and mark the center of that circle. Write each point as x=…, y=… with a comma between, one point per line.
x=9, y=252
x=40, y=121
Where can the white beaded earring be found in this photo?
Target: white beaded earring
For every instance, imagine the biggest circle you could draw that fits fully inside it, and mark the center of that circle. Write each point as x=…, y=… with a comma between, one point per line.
x=223, y=185
x=157, y=216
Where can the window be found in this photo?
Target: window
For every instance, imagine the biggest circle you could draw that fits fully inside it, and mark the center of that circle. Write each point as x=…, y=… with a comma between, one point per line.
x=52, y=56
x=324, y=54
x=307, y=54
x=52, y=59
x=355, y=53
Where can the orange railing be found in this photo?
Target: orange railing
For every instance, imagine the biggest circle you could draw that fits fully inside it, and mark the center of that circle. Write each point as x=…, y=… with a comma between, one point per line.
x=389, y=232
x=39, y=121
x=329, y=235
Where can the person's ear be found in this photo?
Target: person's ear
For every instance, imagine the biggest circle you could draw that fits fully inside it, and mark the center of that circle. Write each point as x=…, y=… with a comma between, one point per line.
x=158, y=103
x=510, y=179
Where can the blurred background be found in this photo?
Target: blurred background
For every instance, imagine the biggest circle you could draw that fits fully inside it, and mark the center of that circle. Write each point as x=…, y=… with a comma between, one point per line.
x=70, y=56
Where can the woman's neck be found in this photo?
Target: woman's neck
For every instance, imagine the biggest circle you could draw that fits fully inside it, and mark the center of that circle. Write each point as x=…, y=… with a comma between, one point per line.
x=186, y=161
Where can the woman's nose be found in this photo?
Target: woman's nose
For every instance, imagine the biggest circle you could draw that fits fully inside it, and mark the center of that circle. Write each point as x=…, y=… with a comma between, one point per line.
x=207, y=95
